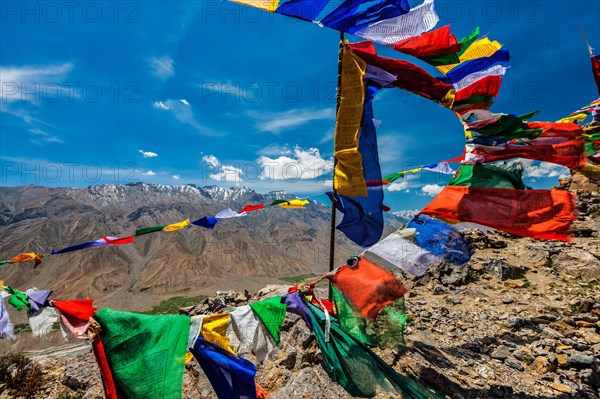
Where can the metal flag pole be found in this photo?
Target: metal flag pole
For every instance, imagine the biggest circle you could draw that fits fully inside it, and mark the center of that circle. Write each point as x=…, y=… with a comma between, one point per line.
x=338, y=99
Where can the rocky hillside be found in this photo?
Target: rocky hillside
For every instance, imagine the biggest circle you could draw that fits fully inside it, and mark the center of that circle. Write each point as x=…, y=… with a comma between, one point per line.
x=520, y=320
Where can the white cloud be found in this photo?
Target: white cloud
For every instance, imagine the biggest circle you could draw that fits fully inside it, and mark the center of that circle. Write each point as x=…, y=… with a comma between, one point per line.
x=536, y=169
x=432, y=189
x=275, y=150
x=402, y=186
x=36, y=81
x=44, y=136
x=211, y=160
x=301, y=164
x=148, y=154
x=176, y=177
x=150, y=173
x=228, y=173
x=162, y=67
x=160, y=105
x=183, y=112
x=276, y=122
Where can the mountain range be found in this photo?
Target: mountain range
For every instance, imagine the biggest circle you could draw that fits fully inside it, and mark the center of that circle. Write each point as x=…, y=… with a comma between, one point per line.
x=241, y=253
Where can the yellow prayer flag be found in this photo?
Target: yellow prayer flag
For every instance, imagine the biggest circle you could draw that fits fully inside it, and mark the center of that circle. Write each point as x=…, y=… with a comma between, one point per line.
x=479, y=49
x=294, y=204
x=188, y=357
x=23, y=257
x=214, y=329
x=574, y=118
x=590, y=171
x=177, y=226
x=348, y=175
x=267, y=5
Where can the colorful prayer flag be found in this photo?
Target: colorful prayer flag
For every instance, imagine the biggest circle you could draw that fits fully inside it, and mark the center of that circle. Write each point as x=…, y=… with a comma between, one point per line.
x=368, y=286
x=544, y=214
x=177, y=226
x=145, y=353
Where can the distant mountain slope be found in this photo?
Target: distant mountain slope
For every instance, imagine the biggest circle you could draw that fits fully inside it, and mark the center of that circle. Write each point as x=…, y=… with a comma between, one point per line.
x=240, y=253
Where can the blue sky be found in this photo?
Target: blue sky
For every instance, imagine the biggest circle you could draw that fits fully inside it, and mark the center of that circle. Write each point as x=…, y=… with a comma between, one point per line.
x=211, y=92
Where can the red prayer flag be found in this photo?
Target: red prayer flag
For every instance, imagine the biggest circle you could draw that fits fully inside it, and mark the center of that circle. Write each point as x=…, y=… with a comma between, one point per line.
x=552, y=129
x=111, y=389
x=408, y=76
x=596, y=70
x=436, y=42
x=545, y=214
x=250, y=208
x=118, y=241
x=369, y=287
x=488, y=87
x=77, y=309
x=570, y=154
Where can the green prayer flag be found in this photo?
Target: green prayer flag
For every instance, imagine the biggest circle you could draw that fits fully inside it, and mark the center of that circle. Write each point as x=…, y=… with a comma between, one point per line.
x=468, y=40
x=508, y=127
x=18, y=299
x=349, y=318
x=277, y=202
x=393, y=177
x=145, y=353
x=474, y=100
x=4, y=262
x=147, y=230
x=386, y=332
x=490, y=176
x=355, y=367
x=272, y=313
x=444, y=59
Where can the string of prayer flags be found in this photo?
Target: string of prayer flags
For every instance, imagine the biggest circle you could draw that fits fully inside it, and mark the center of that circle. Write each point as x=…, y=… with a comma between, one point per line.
x=145, y=353
x=544, y=214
